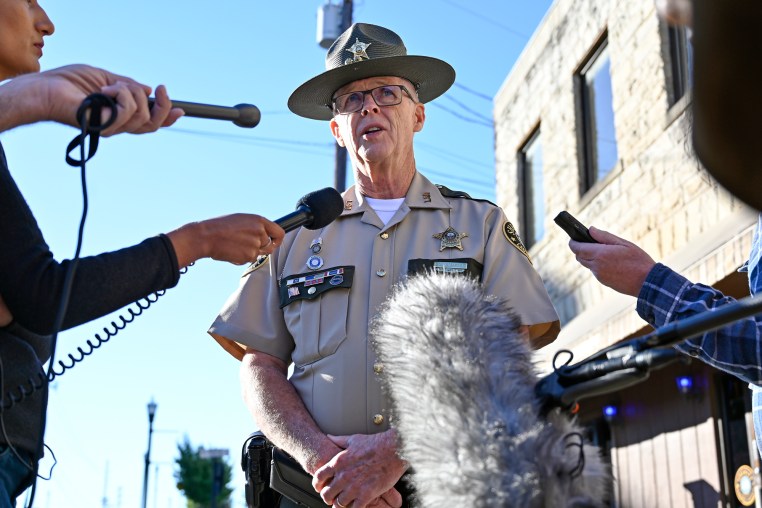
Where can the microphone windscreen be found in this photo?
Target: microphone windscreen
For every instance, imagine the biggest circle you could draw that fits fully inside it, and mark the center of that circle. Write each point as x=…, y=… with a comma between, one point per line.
x=460, y=377
x=325, y=204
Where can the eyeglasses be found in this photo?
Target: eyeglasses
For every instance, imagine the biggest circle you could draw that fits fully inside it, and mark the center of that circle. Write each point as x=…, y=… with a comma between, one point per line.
x=385, y=95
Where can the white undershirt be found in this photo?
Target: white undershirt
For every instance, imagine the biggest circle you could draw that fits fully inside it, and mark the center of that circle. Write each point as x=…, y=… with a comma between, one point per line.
x=385, y=208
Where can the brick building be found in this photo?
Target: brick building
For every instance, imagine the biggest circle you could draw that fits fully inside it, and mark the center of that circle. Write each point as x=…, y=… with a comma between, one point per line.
x=594, y=118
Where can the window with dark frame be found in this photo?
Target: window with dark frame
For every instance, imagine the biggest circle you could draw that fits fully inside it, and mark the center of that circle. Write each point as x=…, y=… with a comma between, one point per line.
x=532, y=191
x=681, y=62
x=599, y=154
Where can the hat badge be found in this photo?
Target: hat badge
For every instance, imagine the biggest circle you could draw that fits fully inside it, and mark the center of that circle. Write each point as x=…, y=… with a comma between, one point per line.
x=358, y=52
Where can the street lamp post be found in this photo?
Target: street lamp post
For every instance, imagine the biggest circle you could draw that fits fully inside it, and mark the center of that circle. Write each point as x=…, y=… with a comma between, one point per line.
x=151, y=414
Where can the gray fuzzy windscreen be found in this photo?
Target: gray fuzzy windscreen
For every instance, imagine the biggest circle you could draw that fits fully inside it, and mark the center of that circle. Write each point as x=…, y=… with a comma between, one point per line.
x=461, y=380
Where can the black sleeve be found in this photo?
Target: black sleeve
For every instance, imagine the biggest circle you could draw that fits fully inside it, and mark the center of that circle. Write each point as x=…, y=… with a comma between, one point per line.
x=31, y=280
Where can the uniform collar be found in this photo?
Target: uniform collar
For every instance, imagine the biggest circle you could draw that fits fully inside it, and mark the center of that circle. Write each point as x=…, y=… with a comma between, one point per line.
x=421, y=194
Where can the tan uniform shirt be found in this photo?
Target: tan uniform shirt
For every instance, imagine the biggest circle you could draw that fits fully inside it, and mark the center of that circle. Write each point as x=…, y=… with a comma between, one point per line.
x=318, y=318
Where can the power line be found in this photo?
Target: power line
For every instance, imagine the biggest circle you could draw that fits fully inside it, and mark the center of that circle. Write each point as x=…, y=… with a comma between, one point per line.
x=464, y=118
x=450, y=176
x=327, y=146
x=458, y=160
x=473, y=92
x=290, y=145
x=466, y=108
x=242, y=137
x=442, y=153
x=263, y=142
x=488, y=20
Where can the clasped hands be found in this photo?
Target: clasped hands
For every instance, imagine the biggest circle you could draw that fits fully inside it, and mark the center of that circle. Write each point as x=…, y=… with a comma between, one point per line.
x=363, y=472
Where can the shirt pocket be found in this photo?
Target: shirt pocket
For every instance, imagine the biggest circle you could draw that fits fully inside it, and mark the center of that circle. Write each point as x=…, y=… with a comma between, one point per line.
x=462, y=266
x=318, y=322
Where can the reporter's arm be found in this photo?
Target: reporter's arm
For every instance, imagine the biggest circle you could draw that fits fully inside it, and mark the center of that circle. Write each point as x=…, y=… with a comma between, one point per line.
x=55, y=95
x=237, y=238
x=667, y=296
x=31, y=280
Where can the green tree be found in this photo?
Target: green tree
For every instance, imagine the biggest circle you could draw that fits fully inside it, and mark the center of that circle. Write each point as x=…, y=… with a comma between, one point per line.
x=196, y=477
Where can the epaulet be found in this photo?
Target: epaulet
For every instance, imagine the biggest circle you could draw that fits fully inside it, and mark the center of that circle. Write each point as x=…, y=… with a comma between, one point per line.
x=449, y=193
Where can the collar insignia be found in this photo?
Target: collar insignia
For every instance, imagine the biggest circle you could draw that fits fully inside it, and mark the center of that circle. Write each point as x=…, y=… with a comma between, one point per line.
x=450, y=239
x=358, y=52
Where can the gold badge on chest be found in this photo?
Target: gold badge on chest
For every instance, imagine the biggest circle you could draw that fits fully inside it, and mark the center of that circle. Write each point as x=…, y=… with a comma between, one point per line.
x=450, y=239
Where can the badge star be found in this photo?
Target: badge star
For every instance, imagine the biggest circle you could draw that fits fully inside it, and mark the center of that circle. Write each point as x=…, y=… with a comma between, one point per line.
x=450, y=239
x=358, y=50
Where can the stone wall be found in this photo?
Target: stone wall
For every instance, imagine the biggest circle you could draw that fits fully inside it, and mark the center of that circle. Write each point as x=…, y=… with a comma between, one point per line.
x=658, y=196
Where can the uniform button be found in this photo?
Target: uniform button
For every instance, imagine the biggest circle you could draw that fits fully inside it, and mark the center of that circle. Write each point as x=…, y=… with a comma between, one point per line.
x=378, y=368
x=384, y=236
x=378, y=419
x=381, y=272
x=694, y=352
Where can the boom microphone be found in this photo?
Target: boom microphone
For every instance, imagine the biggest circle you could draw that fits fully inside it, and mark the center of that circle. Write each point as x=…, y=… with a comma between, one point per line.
x=471, y=427
x=243, y=115
x=314, y=210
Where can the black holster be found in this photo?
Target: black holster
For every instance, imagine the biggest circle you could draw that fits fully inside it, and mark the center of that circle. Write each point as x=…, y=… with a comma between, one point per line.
x=256, y=459
x=272, y=474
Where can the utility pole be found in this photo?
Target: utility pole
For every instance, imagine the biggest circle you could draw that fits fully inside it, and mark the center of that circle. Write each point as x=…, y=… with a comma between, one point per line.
x=325, y=20
x=340, y=173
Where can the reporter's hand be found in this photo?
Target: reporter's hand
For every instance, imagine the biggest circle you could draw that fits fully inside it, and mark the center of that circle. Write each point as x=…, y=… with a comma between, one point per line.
x=57, y=94
x=237, y=238
x=133, y=114
x=615, y=262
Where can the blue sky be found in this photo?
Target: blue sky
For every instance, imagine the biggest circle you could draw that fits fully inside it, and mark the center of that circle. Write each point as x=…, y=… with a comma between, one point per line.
x=234, y=51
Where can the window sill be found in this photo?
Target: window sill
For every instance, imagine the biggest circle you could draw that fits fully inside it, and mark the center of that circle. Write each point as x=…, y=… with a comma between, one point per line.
x=677, y=109
x=598, y=186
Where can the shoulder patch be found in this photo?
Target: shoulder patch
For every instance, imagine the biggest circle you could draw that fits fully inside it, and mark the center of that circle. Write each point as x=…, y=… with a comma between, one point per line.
x=513, y=237
x=259, y=263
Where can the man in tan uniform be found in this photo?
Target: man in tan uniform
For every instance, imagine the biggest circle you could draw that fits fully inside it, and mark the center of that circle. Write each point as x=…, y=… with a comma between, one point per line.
x=310, y=302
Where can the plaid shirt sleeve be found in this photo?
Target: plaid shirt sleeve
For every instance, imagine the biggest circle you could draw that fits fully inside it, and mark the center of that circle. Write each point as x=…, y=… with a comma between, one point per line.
x=667, y=296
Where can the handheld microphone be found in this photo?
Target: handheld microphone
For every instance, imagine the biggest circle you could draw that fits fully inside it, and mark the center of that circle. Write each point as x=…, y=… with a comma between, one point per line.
x=314, y=210
x=243, y=115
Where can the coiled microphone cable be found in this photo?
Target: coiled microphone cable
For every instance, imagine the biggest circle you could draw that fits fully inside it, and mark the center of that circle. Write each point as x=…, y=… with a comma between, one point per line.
x=89, y=116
